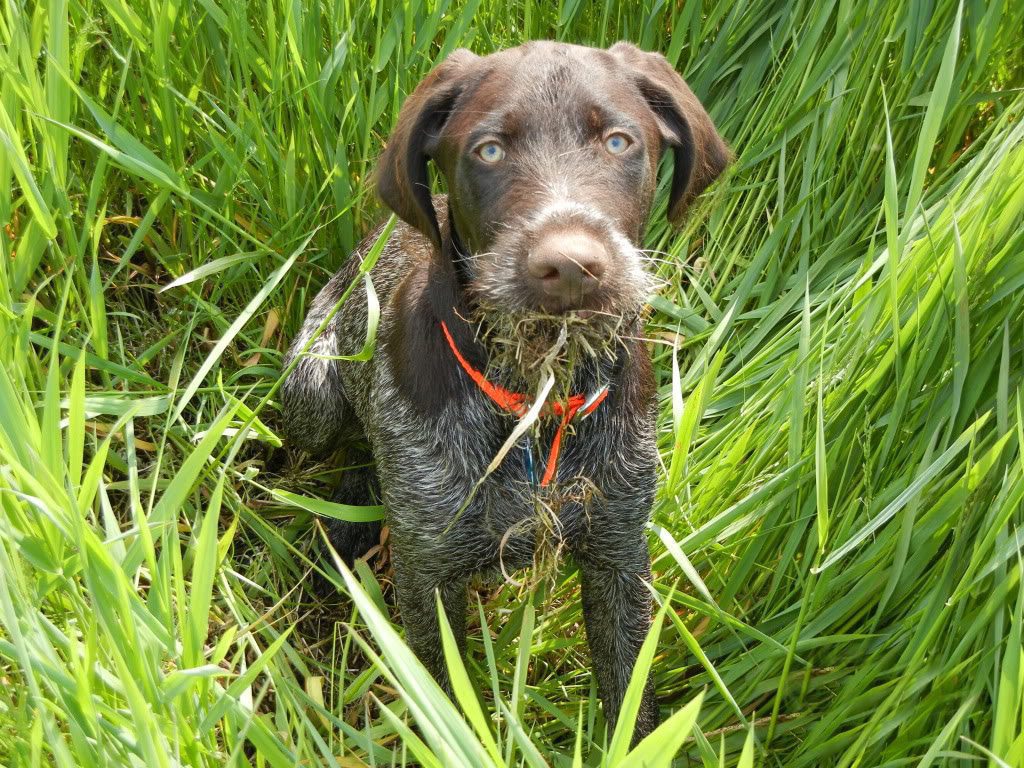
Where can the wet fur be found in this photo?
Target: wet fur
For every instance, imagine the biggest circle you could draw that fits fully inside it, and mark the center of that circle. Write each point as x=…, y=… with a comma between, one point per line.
x=432, y=432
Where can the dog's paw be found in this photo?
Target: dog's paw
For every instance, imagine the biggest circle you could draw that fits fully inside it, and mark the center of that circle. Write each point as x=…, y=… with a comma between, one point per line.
x=353, y=540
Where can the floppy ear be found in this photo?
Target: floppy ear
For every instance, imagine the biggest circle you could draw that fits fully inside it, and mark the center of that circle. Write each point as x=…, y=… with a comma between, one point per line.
x=700, y=153
x=402, y=180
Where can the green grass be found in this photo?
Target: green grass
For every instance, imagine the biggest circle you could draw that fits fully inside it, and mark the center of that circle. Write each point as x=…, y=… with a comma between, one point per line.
x=840, y=349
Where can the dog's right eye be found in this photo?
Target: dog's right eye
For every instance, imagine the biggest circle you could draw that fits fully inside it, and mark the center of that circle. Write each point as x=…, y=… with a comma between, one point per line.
x=491, y=152
x=617, y=143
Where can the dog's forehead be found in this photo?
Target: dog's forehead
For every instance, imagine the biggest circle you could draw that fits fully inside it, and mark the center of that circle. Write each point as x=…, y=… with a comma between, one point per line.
x=546, y=86
x=546, y=70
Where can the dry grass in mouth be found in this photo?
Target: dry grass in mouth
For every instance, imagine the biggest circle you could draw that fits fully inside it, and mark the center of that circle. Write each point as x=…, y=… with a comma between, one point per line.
x=521, y=348
x=522, y=351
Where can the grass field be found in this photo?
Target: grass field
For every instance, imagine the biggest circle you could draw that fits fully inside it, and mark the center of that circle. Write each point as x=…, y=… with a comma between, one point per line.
x=840, y=346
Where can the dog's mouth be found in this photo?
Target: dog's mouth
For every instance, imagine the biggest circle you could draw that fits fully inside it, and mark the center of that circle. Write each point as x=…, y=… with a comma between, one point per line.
x=556, y=294
x=573, y=309
x=524, y=347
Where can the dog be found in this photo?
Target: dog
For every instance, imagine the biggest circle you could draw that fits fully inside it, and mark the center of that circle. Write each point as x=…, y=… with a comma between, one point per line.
x=525, y=280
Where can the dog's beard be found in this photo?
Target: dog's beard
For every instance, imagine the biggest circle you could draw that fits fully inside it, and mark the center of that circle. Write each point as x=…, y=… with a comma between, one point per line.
x=578, y=350
x=524, y=348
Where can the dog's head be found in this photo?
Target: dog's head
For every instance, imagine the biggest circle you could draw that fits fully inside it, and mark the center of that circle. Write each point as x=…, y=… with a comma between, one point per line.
x=550, y=153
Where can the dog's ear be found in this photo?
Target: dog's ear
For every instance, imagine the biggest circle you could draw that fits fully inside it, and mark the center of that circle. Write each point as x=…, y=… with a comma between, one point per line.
x=402, y=180
x=700, y=153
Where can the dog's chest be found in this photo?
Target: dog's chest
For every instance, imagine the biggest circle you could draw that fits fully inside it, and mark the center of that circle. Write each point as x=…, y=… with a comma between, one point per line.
x=468, y=483
x=514, y=520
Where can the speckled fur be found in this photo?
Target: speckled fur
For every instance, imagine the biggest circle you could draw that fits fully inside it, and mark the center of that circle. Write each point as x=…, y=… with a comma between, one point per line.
x=433, y=433
x=428, y=467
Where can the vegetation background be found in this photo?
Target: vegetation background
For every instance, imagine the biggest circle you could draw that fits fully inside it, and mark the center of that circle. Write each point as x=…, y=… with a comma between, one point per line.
x=839, y=345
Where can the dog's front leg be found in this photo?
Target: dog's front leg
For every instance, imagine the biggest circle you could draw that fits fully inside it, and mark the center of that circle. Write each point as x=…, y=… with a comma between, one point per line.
x=617, y=612
x=417, y=586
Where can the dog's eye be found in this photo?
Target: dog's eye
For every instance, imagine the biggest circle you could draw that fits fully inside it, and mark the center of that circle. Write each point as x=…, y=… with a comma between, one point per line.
x=617, y=143
x=491, y=152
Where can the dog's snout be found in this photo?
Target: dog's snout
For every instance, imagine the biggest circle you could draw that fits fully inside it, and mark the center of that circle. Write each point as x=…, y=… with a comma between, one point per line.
x=567, y=265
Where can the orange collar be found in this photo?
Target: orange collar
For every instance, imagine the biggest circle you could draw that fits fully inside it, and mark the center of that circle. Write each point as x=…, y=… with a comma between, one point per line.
x=518, y=403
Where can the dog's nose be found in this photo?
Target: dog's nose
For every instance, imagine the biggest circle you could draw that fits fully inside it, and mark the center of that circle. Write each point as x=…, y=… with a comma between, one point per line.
x=568, y=265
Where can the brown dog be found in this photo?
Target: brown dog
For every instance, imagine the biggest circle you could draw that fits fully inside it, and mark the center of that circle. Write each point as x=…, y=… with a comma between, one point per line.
x=527, y=279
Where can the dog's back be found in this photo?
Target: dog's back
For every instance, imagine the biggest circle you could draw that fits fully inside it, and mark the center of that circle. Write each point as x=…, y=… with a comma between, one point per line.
x=324, y=402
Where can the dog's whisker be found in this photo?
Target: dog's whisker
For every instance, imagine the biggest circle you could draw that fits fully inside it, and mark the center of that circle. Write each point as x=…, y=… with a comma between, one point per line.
x=660, y=253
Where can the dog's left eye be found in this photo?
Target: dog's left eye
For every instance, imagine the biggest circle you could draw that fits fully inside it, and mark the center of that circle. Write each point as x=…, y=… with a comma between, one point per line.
x=617, y=143
x=491, y=152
